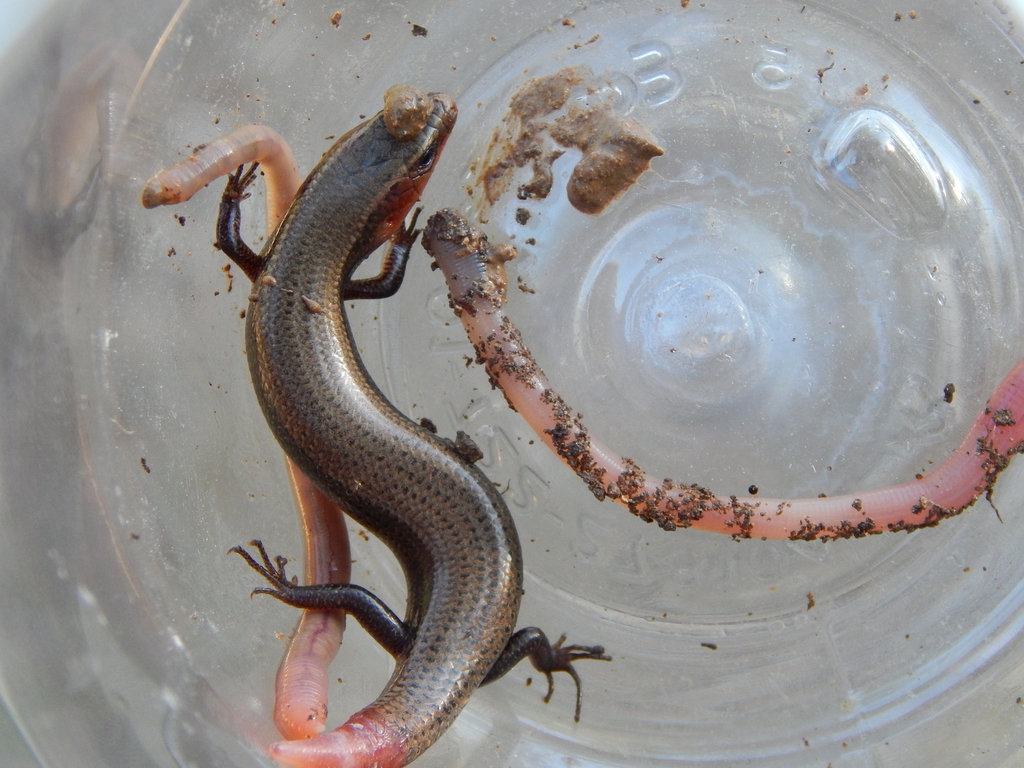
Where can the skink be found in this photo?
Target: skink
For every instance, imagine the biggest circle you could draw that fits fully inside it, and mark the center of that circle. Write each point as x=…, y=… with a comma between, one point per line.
x=444, y=520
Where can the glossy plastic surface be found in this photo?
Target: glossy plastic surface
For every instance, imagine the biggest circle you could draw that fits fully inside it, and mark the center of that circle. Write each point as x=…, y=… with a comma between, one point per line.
x=833, y=235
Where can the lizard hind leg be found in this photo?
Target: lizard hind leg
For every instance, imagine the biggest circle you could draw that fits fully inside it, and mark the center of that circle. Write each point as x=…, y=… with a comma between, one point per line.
x=546, y=659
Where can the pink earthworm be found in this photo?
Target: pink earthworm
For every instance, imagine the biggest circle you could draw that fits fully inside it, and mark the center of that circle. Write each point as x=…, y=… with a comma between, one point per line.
x=208, y=162
x=300, y=688
x=476, y=280
x=300, y=700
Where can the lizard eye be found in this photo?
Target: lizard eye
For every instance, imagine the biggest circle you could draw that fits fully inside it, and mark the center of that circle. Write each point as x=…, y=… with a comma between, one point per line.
x=427, y=159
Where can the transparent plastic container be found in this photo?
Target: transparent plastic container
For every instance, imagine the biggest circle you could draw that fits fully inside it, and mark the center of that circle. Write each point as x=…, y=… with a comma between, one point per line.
x=833, y=235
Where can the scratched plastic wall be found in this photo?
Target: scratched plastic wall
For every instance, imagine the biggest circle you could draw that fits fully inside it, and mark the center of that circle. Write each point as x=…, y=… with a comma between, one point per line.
x=832, y=236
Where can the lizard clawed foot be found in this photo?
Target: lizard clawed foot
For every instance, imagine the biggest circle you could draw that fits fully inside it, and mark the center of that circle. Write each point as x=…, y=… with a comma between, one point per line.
x=272, y=571
x=560, y=659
